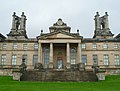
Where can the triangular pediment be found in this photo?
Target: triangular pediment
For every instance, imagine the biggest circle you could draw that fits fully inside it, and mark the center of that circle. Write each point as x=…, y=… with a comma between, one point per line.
x=60, y=35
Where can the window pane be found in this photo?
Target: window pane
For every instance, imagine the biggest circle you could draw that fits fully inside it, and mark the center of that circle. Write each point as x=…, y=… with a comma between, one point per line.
x=25, y=46
x=35, y=59
x=35, y=46
x=94, y=46
x=105, y=46
x=3, y=59
x=106, y=59
x=4, y=46
x=117, y=59
x=46, y=55
x=14, y=45
x=72, y=55
x=14, y=59
x=84, y=59
x=115, y=46
x=83, y=46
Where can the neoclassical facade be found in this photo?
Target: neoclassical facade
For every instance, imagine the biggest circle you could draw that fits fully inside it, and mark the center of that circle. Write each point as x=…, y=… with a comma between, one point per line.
x=59, y=49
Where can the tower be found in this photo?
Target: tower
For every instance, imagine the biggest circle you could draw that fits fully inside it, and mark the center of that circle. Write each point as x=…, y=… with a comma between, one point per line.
x=18, y=30
x=102, y=29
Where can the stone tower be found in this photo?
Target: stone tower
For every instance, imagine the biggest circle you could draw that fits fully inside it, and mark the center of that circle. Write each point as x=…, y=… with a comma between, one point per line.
x=18, y=30
x=102, y=29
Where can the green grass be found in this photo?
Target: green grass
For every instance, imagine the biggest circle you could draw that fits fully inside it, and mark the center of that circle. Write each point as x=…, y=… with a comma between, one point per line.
x=112, y=83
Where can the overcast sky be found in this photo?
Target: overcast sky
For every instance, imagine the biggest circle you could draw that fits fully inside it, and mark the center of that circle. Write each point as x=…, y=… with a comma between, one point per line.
x=41, y=14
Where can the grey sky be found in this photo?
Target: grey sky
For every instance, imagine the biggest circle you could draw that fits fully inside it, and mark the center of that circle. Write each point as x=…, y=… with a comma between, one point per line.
x=41, y=14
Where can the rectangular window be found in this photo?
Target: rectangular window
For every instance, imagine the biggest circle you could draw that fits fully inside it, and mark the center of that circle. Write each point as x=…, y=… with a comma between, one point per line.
x=117, y=59
x=72, y=55
x=84, y=59
x=25, y=58
x=83, y=46
x=95, y=60
x=106, y=59
x=105, y=46
x=35, y=59
x=36, y=46
x=25, y=46
x=94, y=46
x=3, y=59
x=14, y=45
x=46, y=55
x=4, y=46
x=115, y=46
x=14, y=59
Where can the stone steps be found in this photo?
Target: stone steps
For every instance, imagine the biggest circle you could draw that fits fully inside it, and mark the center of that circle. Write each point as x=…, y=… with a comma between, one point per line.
x=49, y=75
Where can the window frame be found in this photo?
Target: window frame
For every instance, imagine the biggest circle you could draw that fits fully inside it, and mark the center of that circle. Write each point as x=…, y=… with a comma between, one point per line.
x=84, y=61
x=3, y=59
x=14, y=59
x=106, y=59
x=72, y=55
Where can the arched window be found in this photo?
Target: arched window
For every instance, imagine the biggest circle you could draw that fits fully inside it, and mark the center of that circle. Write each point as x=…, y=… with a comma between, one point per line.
x=72, y=55
x=46, y=55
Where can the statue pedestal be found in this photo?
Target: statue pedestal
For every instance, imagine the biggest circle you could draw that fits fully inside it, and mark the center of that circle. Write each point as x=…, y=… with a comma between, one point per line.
x=51, y=65
x=68, y=65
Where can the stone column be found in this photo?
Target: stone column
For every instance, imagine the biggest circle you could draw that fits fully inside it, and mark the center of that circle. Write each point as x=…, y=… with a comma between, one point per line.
x=40, y=54
x=51, y=56
x=79, y=53
x=68, y=56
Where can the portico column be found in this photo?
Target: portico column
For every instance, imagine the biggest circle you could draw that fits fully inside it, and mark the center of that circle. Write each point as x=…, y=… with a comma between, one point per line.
x=51, y=56
x=68, y=55
x=40, y=53
x=79, y=53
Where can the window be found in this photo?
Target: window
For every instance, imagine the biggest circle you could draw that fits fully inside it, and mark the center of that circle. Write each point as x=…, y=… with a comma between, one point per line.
x=95, y=60
x=46, y=55
x=36, y=46
x=25, y=46
x=35, y=59
x=72, y=55
x=4, y=46
x=84, y=59
x=14, y=59
x=25, y=58
x=117, y=59
x=83, y=46
x=3, y=59
x=115, y=46
x=105, y=46
x=14, y=45
x=106, y=59
x=94, y=46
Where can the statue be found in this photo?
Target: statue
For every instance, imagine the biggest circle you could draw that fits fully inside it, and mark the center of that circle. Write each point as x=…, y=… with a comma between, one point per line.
x=38, y=66
x=23, y=66
x=17, y=22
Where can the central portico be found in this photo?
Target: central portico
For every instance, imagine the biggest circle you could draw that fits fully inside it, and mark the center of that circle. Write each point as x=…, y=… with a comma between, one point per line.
x=59, y=48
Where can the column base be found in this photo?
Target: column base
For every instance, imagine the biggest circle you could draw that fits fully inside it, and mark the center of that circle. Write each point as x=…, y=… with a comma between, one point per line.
x=68, y=66
x=51, y=65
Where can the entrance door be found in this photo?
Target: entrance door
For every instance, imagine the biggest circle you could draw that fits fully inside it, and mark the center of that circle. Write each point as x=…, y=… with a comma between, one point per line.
x=59, y=63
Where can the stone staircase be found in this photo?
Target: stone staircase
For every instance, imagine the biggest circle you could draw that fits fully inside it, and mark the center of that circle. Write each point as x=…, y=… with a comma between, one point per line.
x=58, y=75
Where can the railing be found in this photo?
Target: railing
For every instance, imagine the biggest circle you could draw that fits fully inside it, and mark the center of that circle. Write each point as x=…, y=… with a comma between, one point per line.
x=32, y=66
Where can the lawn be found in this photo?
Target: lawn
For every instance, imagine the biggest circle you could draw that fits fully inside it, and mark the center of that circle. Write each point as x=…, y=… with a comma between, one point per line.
x=112, y=83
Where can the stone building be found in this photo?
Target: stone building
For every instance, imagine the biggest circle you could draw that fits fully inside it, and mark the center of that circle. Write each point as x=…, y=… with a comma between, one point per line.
x=59, y=49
